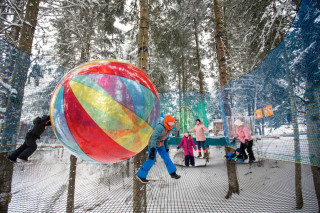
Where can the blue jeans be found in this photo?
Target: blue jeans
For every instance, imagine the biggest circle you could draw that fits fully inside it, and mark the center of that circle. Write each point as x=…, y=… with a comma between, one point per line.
x=201, y=144
x=146, y=166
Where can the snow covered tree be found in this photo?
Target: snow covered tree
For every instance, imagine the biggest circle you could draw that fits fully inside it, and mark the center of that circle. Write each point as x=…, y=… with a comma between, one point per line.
x=14, y=106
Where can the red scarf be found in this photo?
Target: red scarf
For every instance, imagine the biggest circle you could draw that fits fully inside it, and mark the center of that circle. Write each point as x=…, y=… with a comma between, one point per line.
x=167, y=119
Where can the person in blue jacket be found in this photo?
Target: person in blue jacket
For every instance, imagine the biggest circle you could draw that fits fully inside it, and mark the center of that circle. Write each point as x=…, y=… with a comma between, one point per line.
x=236, y=156
x=158, y=144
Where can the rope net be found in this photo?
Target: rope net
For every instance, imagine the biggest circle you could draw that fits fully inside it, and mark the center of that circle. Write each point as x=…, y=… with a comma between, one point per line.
x=278, y=101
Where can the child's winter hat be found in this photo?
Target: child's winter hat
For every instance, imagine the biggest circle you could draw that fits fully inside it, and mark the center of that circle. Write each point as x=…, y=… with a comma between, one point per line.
x=238, y=122
x=238, y=150
x=187, y=132
x=169, y=118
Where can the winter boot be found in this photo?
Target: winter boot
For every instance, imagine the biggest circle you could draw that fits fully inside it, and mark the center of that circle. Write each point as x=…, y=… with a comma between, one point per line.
x=142, y=180
x=11, y=159
x=199, y=155
x=174, y=175
x=23, y=159
x=252, y=160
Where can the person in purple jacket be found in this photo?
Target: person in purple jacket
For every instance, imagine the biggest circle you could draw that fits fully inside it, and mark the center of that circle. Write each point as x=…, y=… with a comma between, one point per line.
x=188, y=143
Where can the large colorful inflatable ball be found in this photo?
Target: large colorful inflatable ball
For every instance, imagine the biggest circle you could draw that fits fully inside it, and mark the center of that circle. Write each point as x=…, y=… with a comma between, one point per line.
x=104, y=110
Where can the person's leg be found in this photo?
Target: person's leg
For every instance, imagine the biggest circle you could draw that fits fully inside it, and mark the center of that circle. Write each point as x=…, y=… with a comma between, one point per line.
x=243, y=152
x=192, y=160
x=146, y=166
x=186, y=160
x=13, y=156
x=250, y=152
x=167, y=161
x=31, y=147
x=199, y=148
x=204, y=148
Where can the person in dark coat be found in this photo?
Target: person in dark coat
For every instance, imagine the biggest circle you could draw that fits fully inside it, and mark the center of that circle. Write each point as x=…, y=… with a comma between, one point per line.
x=30, y=145
x=236, y=156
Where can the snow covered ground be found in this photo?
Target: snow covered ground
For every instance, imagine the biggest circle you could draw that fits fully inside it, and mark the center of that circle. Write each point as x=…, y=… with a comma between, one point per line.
x=41, y=186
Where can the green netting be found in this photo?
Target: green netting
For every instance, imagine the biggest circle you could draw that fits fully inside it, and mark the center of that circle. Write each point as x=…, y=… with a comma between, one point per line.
x=189, y=106
x=55, y=182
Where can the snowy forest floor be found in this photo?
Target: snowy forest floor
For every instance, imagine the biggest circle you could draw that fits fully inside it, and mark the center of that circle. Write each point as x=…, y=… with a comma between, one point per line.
x=42, y=186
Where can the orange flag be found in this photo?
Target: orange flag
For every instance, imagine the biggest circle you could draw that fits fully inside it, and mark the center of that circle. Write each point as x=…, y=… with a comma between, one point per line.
x=268, y=110
x=258, y=113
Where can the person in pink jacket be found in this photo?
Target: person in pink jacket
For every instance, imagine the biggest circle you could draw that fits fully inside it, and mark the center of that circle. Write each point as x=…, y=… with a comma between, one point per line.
x=200, y=137
x=188, y=143
x=246, y=140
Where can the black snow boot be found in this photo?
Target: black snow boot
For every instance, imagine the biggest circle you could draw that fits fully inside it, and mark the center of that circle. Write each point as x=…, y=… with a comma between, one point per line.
x=24, y=159
x=142, y=180
x=11, y=159
x=174, y=175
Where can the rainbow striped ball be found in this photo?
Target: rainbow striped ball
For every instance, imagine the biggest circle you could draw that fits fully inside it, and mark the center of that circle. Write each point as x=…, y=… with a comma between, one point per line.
x=104, y=110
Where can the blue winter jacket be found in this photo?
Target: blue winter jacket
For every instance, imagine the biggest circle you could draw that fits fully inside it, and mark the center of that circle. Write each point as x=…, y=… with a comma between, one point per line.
x=159, y=137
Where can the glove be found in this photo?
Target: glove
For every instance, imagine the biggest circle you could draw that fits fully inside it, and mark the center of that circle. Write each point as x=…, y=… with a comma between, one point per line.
x=167, y=150
x=178, y=147
x=247, y=142
x=234, y=140
x=152, y=153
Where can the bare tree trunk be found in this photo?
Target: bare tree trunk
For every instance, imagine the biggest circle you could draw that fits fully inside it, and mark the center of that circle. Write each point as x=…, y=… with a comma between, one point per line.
x=232, y=176
x=200, y=75
x=313, y=133
x=139, y=189
x=14, y=106
x=224, y=77
x=316, y=181
x=3, y=17
x=6, y=170
x=294, y=112
x=143, y=36
x=13, y=35
x=184, y=74
x=29, y=26
x=71, y=185
x=220, y=44
x=221, y=56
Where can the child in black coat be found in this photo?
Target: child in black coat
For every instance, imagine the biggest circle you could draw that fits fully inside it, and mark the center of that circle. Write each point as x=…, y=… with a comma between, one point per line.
x=30, y=145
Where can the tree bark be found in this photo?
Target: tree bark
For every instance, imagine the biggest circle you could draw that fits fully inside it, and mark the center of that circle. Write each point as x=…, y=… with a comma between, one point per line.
x=139, y=189
x=226, y=104
x=143, y=36
x=294, y=112
x=6, y=170
x=232, y=175
x=72, y=184
x=313, y=133
x=200, y=75
x=29, y=25
x=221, y=56
x=220, y=44
x=13, y=35
x=14, y=105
